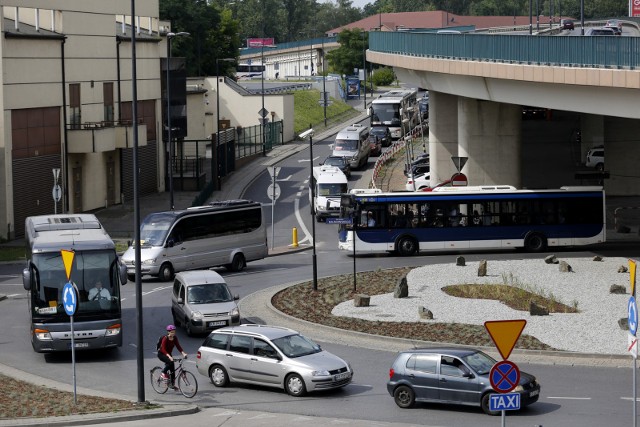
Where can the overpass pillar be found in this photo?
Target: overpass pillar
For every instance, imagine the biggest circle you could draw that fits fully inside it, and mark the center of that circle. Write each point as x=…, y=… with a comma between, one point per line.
x=443, y=135
x=490, y=136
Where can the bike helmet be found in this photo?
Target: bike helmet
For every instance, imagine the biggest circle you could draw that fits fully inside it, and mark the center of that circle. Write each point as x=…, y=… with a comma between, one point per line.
x=171, y=328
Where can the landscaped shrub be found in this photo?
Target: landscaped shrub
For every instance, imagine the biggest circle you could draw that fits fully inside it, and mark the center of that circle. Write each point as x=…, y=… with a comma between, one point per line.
x=383, y=77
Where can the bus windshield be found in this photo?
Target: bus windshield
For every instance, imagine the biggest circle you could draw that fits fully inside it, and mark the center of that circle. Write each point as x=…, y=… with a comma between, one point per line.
x=331, y=189
x=89, y=267
x=154, y=229
x=386, y=114
x=345, y=145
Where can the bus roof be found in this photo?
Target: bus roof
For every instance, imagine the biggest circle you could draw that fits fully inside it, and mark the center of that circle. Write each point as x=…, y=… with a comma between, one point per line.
x=48, y=233
x=452, y=192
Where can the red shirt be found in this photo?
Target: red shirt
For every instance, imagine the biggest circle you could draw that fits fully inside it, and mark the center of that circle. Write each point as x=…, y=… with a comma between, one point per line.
x=167, y=345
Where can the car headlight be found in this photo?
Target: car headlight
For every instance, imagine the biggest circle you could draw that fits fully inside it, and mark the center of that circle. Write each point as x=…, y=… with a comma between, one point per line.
x=42, y=334
x=518, y=388
x=321, y=373
x=196, y=315
x=149, y=261
x=235, y=312
x=321, y=208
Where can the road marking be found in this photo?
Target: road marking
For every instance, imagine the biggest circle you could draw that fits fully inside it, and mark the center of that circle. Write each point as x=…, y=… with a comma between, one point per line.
x=630, y=398
x=301, y=223
x=307, y=160
x=568, y=398
x=159, y=288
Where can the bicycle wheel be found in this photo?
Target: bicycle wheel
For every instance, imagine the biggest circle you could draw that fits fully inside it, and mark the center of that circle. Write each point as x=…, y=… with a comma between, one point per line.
x=187, y=384
x=158, y=384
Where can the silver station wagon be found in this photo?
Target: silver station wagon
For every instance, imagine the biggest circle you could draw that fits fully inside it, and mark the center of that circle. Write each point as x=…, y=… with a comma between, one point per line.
x=270, y=356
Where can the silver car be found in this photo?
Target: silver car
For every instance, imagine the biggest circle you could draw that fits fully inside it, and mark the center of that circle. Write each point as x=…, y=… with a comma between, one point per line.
x=202, y=302
x=270, y=356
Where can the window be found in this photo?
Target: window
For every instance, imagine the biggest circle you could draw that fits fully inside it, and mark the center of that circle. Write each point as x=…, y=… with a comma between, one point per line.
x=262, y=349
x=218, y=341
x=452, y=366
x=75, y=119
x=240, y=344
x=426, y=363
x=107, y=96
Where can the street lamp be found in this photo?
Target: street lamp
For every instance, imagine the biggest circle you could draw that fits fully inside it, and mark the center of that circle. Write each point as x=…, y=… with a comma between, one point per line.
x=364, y=68
x=169, y=37
x=309, y=133
x=324, y=87
x=214, y=154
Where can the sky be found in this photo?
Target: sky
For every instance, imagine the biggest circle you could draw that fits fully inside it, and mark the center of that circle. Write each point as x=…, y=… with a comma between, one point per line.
x=356, y=3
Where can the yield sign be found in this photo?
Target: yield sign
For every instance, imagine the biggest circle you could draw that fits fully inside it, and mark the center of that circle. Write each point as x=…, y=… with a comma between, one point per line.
x=632, y=276
x=67, y=258
x=459, y=162
x=505, y=334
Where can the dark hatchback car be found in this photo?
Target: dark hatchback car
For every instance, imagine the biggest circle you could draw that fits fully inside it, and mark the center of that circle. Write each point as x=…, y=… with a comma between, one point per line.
x=383, y=133
x=567, y=24
x=340, y=162
x=453, y=375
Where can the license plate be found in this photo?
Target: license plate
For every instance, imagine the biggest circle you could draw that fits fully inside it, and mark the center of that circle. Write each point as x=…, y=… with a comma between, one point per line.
x=342, y=376
x=80, y=345
x=534, y=393
x=218, y=323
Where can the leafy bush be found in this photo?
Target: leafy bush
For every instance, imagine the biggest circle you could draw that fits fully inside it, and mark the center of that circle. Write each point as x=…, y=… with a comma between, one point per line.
x=383, y=77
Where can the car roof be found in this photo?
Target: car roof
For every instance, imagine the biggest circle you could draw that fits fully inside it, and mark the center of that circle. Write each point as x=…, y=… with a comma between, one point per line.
x=267, y=331
x=449, y=351
x=199, y=277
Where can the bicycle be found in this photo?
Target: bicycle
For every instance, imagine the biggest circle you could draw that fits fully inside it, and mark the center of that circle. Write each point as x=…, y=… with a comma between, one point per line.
x=185, y=380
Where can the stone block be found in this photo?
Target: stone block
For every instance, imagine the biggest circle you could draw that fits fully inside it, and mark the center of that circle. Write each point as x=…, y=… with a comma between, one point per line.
x=361, y=300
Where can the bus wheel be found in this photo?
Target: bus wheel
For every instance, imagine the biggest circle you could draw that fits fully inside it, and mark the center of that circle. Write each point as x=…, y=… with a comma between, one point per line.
x=166, y=272
x=238, y=263
x=535, y=242
x=407, y=246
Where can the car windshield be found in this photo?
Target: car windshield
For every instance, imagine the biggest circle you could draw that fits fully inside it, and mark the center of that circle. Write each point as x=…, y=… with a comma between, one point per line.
x=334, y=161
x=154, y=228
x=296, y=346
x=346, y=145
x=208, y=293
x=379, y=132
x=480, y=362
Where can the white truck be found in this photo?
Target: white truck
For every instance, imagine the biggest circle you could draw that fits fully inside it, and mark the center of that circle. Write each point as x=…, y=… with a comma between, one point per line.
x=326, y=185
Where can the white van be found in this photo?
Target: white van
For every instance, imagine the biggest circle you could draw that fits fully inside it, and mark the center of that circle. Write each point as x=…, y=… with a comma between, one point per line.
x=351, y=142
x=227, y=233
x=328, y=182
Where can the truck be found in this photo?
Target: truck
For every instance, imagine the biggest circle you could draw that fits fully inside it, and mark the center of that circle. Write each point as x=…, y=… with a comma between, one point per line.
x=326, y=186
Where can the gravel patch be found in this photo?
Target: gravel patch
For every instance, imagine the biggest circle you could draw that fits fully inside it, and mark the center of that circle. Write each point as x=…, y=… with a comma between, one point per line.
x=594, y=329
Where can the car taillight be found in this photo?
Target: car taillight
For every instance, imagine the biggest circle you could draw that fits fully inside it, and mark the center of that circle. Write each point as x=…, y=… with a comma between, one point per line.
x=198, y=355
x=391, y=372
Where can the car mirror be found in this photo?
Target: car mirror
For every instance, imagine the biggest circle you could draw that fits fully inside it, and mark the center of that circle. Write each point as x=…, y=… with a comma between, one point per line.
x=468, y=375
x=170, y=243
x=180, y=301
x=236, y=297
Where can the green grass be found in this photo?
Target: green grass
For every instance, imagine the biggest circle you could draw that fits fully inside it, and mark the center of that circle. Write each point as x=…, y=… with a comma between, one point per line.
x=11, y=253
x=309, y=111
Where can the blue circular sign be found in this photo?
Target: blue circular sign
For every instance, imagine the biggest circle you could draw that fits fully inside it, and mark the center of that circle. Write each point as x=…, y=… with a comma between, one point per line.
x=69, y=298
x=633, y=316
x=504, y=376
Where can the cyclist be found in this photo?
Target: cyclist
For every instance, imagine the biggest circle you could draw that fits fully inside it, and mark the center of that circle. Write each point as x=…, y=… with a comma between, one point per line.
x=164, y=354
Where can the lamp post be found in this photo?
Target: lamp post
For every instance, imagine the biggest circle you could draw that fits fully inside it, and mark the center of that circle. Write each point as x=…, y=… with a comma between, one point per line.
x=214, y=154
x=309, y=133
x=170, y=36
x=262, y=111
x=364, y=69
x=324, y=87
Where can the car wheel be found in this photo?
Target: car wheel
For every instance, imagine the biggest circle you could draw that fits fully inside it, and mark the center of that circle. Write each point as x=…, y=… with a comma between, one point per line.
x=485, y=405
x=166, y=272
x=404, y=396
x=218, y=376
x=407, y=246
x=294, y=385
x=131, y=277
x=535, y=242
x=237, y=263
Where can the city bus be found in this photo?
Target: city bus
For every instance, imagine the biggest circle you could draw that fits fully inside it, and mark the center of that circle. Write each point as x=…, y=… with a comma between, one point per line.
x=97, y=322
x=224, y=233
x=246, y=71
x=397, y=110
x=482, y=217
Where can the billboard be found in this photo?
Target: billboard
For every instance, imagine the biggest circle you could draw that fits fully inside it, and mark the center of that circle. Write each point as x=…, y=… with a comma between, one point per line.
x=634, y=7
x=353, y=87
x=259, y=42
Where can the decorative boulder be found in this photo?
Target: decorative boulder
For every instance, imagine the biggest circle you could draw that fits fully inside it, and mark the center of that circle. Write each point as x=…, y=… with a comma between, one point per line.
x=361, y=300
x=597, y=258
x=425, y=313
x=482, y=268
x=538, y=310
x=551, y=259
x=622, y=269
x=402, y=288
x=460, y=261
x=565, y=267
x=624, y=323
x=617, y=289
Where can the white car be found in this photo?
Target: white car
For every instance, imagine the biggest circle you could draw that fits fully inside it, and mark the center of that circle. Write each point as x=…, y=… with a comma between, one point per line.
x=421, y=181
x=595, y=158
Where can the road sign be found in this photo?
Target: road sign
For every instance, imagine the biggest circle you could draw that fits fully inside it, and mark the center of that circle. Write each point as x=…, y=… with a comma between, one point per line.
x=504, y=402
x=69, y=299
x=67, y=259
x=56, y=193
x=263, y=112
x=632, y=345
x=504, y=376
x=56, y=174
x=459, y=162
x=632, y=276
x=505, y=334
x=632, y=310
x=273, y=191
x=339, y=220
x=273, y=170
x=459, y=180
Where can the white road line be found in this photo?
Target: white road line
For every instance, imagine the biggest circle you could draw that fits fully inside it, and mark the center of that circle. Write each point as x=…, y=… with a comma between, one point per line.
x=568, y=398
x=630, y=398
x=159, y=288
x=301, y=223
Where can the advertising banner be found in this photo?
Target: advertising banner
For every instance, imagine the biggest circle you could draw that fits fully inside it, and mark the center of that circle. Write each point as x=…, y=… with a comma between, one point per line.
x=259, y=42
x=634, y=7
x=353, y=87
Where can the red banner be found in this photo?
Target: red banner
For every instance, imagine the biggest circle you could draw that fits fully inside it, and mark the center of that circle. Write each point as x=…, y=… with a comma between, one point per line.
x=259, y=42
x=635, y=7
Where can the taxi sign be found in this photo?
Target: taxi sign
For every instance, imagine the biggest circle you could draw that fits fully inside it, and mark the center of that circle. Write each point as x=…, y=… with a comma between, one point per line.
x=504, y=402
x=505, y=334
x=504, y=376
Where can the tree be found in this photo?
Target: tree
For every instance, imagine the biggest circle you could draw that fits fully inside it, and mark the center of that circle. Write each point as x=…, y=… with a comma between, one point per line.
x=348, y=56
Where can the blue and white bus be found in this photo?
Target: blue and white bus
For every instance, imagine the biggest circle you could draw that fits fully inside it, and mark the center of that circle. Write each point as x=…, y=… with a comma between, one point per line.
x=483, y=217
x=247, y=71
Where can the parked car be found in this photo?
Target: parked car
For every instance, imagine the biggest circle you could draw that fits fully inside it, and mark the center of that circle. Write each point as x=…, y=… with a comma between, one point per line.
x=447, y=183
x=595, y=158
x=201, y=302
x=421, y=181
x=600, y=32
x=376, y=145
x=418, y=169
x=423, y=106
x=270, y=356
x=567, y=24
x=383, y=133
x=422, y=159
x=615, y=25
x=340, y=162
x=453, y=375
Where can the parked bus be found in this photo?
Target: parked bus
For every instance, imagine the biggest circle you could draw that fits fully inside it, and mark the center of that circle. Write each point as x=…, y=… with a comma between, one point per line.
x=97, y=322
x=483, y=217
x=246, y=71
x=227, y=233
x=396, y=109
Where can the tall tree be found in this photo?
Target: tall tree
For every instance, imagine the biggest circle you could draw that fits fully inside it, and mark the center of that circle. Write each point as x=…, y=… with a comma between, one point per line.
x=349, y=55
